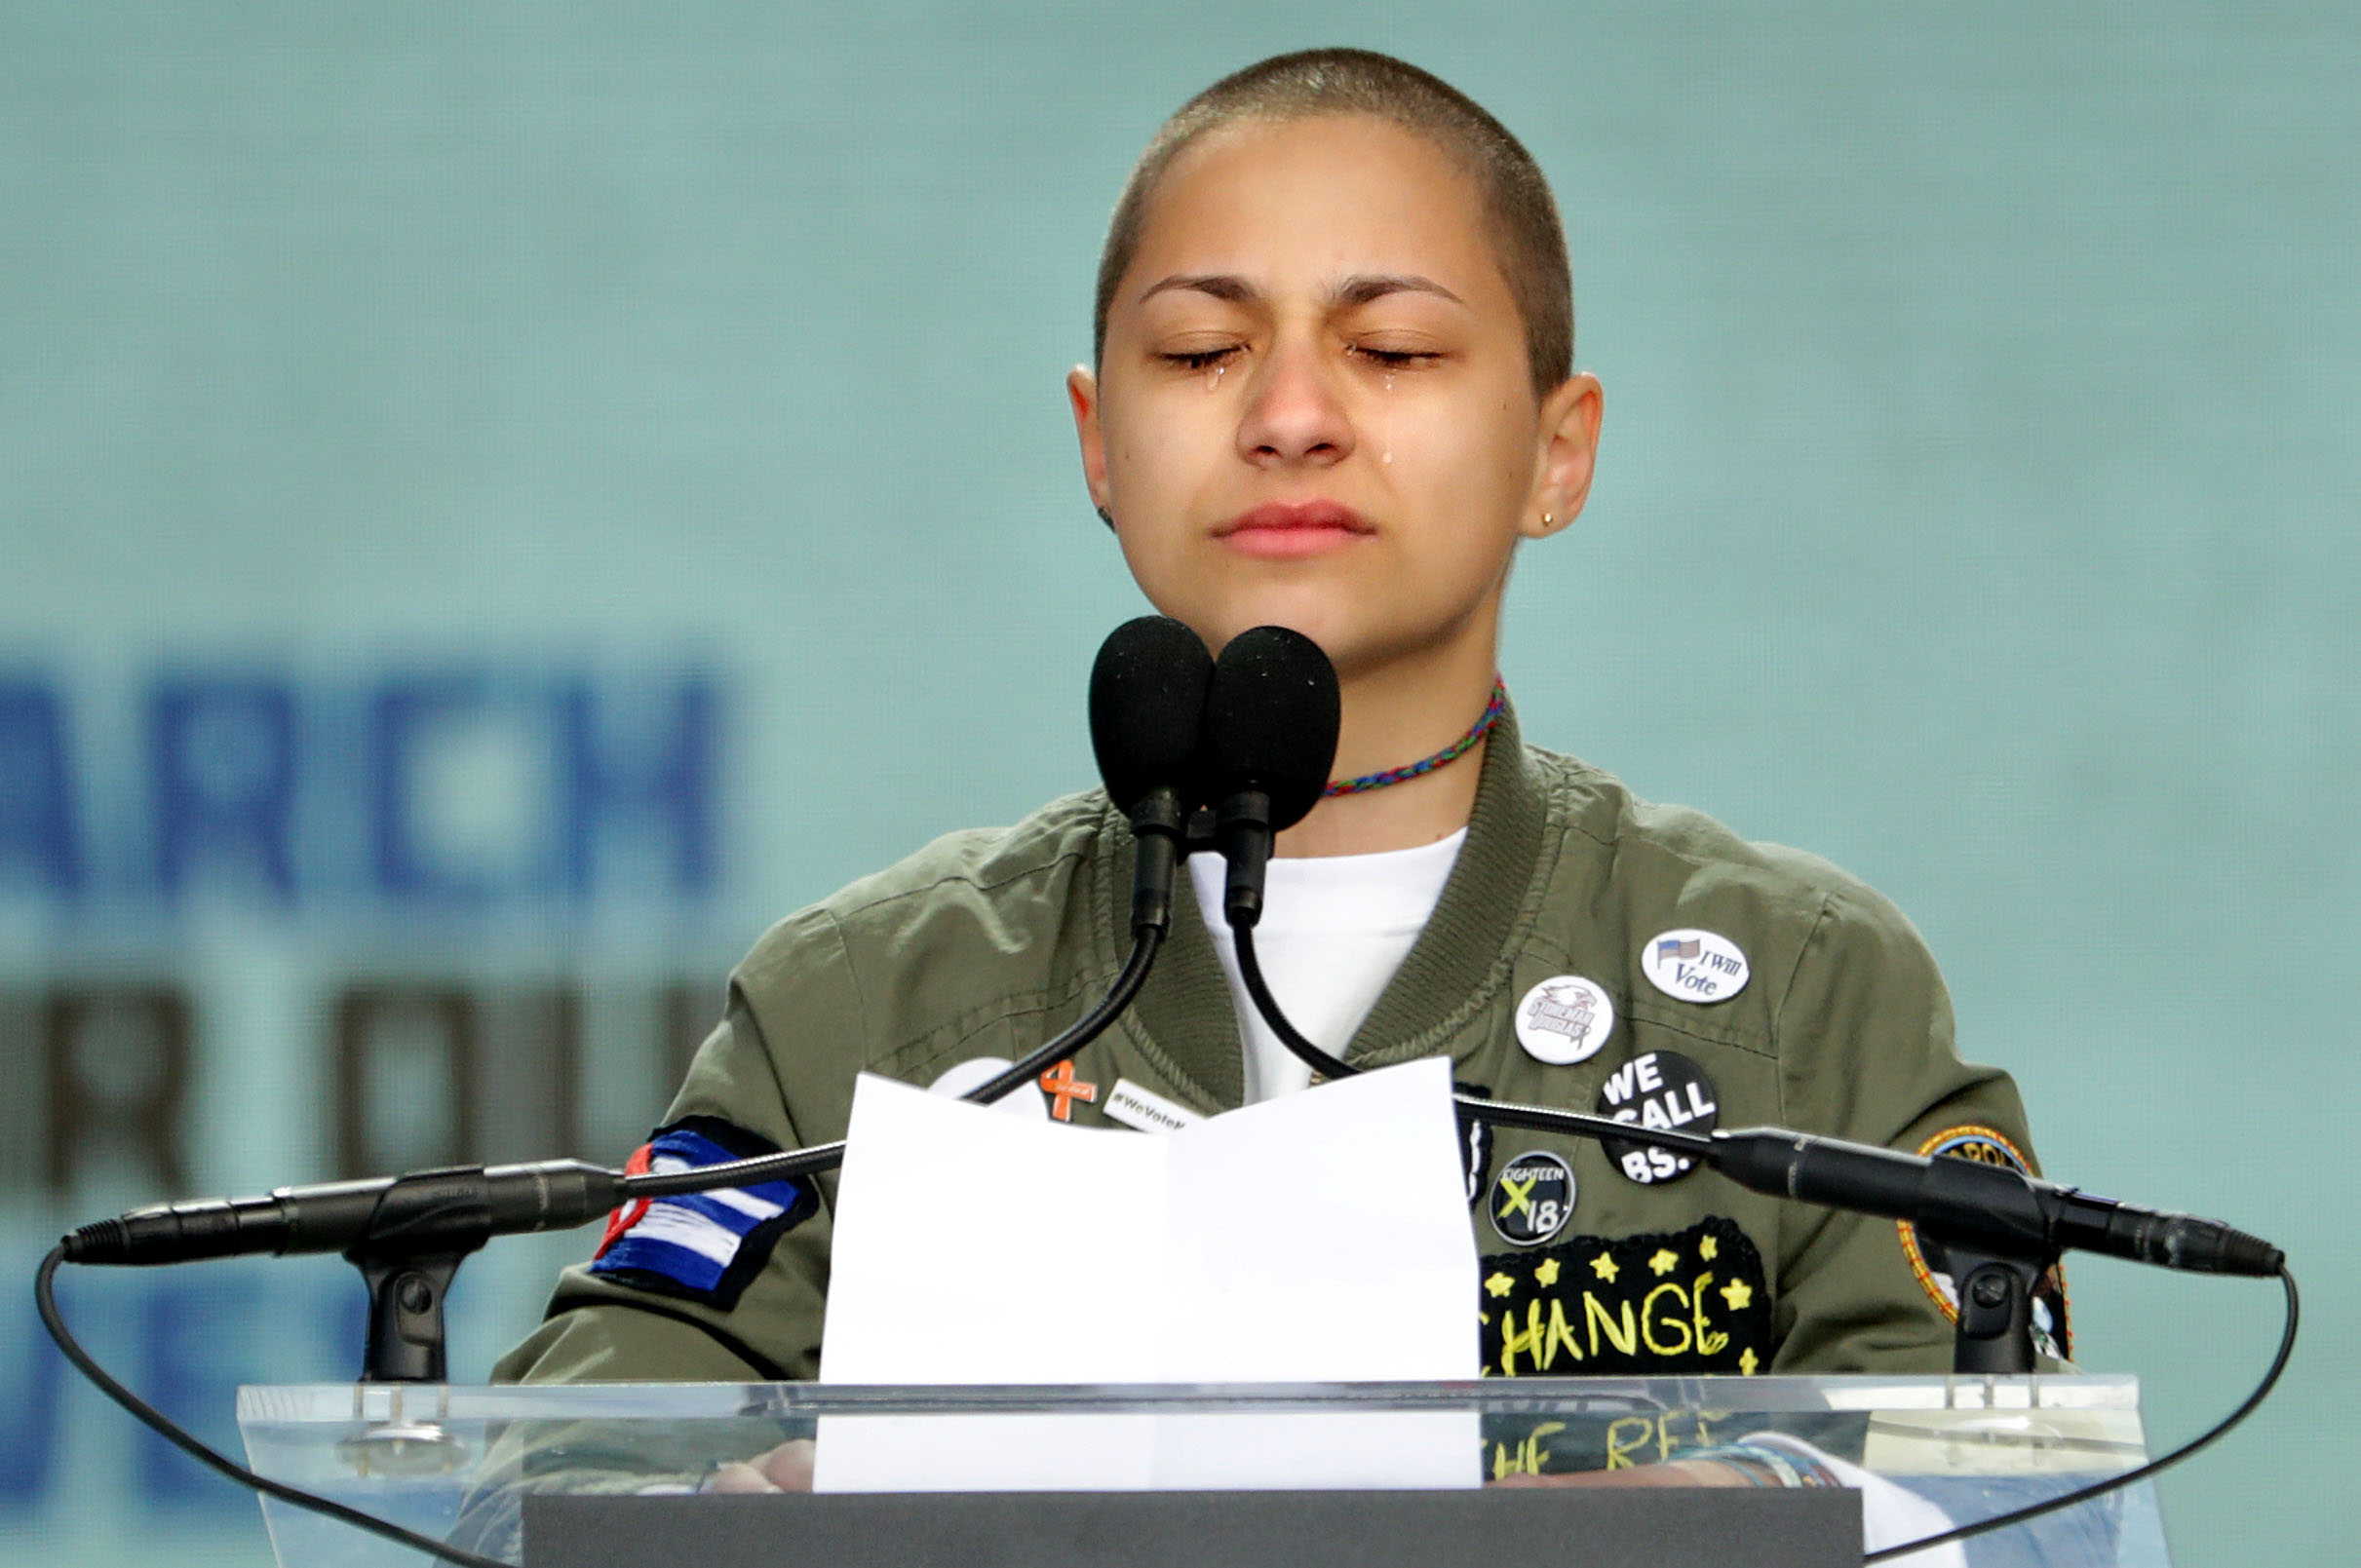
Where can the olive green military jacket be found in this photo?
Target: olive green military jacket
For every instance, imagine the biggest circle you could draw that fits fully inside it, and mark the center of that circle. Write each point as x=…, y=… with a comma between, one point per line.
x=987, y=942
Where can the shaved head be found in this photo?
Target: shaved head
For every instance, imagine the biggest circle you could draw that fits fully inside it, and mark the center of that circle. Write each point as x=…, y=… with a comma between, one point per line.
x=1521, y=217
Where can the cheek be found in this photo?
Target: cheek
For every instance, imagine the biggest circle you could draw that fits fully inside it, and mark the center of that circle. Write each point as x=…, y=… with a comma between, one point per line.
x=1165, y=457
x=1468, y=475
x=1139, y=452
x=1146, y=478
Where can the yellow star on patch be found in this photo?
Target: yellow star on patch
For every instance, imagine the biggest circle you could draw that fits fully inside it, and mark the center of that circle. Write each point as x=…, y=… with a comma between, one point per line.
x=1709, y=1248
x=1499, y=1284
x=1745, y=1361
x=1737, y=1293
x=1547, y=1274
x=1665, y=1261
x=1604, y=1268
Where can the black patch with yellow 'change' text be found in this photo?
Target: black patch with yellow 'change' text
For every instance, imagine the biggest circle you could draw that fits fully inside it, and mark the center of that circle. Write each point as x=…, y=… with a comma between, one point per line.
x=1693, y=1301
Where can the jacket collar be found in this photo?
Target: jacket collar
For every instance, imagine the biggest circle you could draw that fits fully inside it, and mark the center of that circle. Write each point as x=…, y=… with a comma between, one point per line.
x=1184, y=1022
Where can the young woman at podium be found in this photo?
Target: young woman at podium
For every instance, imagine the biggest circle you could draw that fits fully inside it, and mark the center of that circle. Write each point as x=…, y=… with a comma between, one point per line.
x=1332, y=389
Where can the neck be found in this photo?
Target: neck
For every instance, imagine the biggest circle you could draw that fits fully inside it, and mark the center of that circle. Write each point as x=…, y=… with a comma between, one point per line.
x=1393, y=714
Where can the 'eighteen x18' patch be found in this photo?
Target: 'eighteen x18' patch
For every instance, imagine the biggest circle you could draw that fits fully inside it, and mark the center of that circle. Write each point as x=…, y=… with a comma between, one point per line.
x=1689, y=1302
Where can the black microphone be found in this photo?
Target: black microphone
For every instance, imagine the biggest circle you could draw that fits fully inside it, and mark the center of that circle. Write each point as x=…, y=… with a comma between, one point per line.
x=1270, y=738
x=1991, y=1207
x=1147, y=701
x=1996, y=1208
x=453, y=1211
x=1148, y=691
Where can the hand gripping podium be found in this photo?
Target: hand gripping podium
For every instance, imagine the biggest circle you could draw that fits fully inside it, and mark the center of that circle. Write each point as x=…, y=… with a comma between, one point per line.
x=1374, y=1475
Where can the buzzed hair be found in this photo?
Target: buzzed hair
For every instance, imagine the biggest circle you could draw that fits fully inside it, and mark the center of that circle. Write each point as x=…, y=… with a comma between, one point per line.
x=1526, y=234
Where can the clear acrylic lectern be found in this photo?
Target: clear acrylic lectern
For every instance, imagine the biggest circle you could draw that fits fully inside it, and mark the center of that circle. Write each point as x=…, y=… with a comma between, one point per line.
x=480, y=1466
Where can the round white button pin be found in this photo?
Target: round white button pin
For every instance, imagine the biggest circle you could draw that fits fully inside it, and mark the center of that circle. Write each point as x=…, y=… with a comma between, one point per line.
x=1695, y=965
x=1565, y=1020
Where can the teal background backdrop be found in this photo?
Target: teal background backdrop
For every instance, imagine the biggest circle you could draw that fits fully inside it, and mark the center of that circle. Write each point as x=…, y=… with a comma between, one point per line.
x=1977, y=508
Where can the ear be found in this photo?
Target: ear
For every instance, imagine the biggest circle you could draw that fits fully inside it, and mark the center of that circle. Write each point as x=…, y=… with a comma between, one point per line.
x=1568, y=456
x=1082, y=394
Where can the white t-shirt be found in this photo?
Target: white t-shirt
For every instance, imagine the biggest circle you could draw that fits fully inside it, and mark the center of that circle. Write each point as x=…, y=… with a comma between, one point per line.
x=1333, y=930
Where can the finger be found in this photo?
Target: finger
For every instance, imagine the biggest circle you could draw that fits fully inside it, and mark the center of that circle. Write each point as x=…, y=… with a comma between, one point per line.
x=738, y=1478
x=789, y=1467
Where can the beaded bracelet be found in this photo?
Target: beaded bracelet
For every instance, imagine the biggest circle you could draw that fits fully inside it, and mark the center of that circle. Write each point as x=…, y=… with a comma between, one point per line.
x=1747, y=1459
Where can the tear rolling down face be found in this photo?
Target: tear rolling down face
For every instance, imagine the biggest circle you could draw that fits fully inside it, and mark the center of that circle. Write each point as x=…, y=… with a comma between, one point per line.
x=1314, y=408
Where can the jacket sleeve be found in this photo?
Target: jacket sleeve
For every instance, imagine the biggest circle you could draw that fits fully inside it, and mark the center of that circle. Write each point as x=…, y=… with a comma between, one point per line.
x=603, y=1327
x=1865, y=1052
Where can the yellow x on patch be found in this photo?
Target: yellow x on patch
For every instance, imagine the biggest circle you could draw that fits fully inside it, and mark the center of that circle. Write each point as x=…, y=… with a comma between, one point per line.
x=1520, y=1195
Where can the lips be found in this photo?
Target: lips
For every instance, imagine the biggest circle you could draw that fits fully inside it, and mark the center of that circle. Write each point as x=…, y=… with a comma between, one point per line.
x=1280, y=529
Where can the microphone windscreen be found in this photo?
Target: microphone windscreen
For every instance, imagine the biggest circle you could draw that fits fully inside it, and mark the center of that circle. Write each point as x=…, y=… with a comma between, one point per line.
x=1270, y=721
x=1148, y=707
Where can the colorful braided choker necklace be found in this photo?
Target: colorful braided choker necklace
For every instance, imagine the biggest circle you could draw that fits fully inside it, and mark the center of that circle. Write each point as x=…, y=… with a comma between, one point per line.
x=1425, y=765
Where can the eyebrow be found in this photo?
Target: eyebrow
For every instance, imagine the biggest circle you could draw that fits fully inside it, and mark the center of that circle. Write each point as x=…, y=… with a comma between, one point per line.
x=1359, y=289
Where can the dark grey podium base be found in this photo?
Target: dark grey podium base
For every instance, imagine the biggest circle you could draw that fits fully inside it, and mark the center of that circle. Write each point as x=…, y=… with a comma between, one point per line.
x=1637, y=1528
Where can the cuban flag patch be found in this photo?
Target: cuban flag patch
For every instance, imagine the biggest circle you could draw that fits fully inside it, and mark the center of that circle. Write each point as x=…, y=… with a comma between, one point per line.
x=702, y=1246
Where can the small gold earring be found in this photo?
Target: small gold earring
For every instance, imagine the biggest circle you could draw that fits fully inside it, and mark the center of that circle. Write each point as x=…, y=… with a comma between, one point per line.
x=1547, y=520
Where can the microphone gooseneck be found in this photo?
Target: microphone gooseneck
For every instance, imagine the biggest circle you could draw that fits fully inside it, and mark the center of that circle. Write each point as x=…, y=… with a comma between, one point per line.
x=1270, y=732
x=1964, y=1200
x=1147, y=698
x=1258, y=991
x=459, y=1209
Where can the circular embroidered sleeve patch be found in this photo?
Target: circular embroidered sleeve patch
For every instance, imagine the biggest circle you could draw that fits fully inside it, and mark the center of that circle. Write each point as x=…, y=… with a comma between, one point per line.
x=2053, y=1336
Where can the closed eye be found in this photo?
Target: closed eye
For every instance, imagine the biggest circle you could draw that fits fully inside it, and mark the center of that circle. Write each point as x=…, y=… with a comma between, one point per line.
x=1197, y=359
x=1395, y=359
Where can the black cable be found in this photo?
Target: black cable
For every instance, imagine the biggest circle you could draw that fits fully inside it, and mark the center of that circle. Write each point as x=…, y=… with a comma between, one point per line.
x=793, y=1162
x=1249, y=969
x=45, y=1298
x=1146, y=943
x=821, y=1157
x=1583, y=1125
x=1496, y=1113
x=737, y=1172
x=2001, y=1521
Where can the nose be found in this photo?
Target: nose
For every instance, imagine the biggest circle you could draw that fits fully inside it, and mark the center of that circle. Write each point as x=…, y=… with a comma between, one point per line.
x=1295, y=410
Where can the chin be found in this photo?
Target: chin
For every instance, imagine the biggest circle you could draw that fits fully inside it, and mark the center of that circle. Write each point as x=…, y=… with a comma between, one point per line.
x=1357, y=625
x=1319, y=623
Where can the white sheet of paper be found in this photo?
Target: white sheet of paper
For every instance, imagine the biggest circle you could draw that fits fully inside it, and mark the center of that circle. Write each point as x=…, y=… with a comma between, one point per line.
x=1320, y=1237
